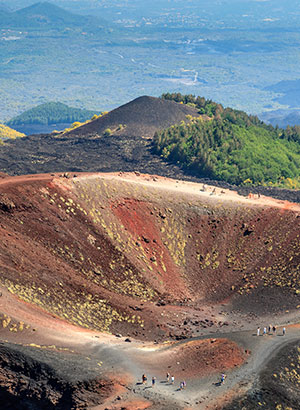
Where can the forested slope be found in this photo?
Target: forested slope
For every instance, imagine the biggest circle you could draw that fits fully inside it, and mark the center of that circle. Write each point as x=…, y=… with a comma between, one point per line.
x=230, y=145
x=51, y=113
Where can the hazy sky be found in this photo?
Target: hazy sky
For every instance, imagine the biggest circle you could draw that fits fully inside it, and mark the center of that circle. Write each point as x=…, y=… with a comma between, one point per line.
x=233, y=13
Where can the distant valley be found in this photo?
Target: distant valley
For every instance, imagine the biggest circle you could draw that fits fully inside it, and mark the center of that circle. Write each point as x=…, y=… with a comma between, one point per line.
x=49, y=53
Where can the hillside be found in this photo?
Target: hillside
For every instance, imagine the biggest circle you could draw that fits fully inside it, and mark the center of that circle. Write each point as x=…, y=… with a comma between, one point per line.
x=152, y=246
x=231, y=146
x=87, y=148
x=281, y=118
x=51, y=113
x=138, y=118
x=139, y=257
x=8, y=133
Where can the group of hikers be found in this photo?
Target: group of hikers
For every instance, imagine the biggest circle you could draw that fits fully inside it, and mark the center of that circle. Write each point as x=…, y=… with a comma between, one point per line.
x=169, y=378
x=270, y=330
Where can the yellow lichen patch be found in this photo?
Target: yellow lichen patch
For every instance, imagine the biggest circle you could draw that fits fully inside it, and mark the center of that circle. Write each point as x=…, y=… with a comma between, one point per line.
x=11, y=324
x=83, y=309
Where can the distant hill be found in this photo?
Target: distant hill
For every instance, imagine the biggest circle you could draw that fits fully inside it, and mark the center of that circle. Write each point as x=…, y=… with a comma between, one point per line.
x=281, y=118
x=3, y=10
x=4, y=7
x=140, y=117
x=51, y=113
x=4, y=14
x=45, y=14
x=290, y=90
x=7, y=133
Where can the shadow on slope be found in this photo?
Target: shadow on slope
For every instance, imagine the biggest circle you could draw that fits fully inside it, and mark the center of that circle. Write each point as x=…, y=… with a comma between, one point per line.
x=36, y=379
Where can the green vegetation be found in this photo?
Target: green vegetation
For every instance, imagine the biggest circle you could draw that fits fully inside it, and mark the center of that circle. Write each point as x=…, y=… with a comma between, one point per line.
x=6, y=132
x=52, y=113
x=229, y=145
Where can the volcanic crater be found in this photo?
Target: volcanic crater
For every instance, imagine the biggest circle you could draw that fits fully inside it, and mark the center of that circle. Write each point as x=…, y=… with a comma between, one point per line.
x=97, y=267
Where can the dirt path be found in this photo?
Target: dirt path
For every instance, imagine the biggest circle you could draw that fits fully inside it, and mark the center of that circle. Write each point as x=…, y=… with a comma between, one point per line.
x=201, y=393
x=135, y=358
x=262, y=348
x=208, y=192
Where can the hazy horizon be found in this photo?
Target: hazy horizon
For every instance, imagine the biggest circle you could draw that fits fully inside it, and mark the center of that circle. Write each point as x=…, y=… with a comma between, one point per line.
x=242, y=53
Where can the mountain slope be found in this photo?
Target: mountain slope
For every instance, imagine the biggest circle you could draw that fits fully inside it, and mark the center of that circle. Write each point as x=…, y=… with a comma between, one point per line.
x=145, y=258
x=140, y=117
x=87, y=149
x=231, y=146
x=281, y=118
x=122, y=140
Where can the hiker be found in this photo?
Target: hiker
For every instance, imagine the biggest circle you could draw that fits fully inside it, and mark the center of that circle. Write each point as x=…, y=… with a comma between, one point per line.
x=258, y=331
x=144, y=379
x=172, y=379
x=269, y=329
x=184, y=384
x=223, y=377
x=265, y=331
x=153, y=381
x=168, y=376
x=283, y=331
x=181, y=385
x=274, y=330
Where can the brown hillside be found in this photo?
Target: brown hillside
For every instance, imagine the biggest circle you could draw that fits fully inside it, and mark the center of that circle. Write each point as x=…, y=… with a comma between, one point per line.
x=87, y=149
x=140, y=117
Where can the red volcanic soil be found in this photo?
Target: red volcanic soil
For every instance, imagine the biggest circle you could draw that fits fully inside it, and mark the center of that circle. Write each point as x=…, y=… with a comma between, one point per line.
x=140, y=221
x=199, y=358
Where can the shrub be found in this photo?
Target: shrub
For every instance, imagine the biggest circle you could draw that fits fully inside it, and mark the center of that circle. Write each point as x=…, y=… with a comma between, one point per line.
x=107, y=132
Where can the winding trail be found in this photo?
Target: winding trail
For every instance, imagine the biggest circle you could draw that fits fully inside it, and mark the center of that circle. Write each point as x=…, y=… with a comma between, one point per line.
x=201, y=393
